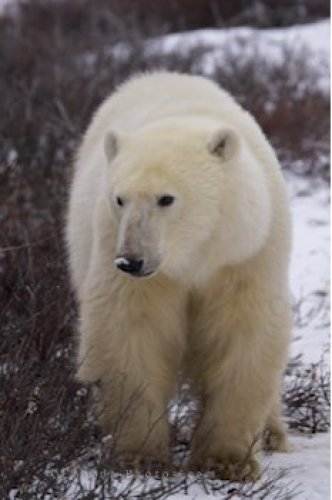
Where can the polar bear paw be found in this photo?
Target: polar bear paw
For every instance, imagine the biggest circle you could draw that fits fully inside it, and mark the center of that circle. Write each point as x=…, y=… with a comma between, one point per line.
x=230, y=469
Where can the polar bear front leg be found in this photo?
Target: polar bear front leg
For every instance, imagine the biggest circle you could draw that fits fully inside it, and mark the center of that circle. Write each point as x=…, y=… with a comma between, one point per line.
x=237, y=366
x=227, y=438
x=132, y=336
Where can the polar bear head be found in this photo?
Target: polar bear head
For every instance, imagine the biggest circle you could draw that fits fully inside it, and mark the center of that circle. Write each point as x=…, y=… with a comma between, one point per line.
x=186, y=197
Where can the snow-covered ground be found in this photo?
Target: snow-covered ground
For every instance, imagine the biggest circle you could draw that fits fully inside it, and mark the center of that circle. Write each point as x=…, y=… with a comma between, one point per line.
x=272, y=45
x=314, y=36
x=309, y=462
x=310, y=272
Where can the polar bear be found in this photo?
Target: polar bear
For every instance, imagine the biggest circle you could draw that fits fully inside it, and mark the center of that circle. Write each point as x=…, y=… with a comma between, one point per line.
x=178, y=235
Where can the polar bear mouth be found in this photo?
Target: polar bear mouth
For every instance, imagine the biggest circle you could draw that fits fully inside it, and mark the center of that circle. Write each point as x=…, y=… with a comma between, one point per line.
x=140, y=275
x=143, y=275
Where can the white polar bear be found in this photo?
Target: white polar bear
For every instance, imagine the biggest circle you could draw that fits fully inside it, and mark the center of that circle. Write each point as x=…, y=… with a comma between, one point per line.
x=179, y=238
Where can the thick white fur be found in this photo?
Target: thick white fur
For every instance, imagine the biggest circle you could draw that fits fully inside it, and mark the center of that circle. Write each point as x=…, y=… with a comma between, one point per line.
x=217, y=306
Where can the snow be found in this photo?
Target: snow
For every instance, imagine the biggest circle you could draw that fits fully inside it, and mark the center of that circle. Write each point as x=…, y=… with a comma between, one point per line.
x=271, y=45
x=315, y=36
x=308, y=464
x=310, y=267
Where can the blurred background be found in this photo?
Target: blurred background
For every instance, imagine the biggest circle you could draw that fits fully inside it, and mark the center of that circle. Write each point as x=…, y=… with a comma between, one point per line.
x=58, y=61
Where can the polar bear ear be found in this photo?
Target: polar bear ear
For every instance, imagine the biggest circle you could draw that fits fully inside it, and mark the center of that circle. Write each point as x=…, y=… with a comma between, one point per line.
x=111, y=144
x=224, y=144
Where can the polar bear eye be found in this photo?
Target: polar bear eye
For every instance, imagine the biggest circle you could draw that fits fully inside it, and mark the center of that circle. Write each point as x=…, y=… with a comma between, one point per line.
x=119, y=201
x=165, y=200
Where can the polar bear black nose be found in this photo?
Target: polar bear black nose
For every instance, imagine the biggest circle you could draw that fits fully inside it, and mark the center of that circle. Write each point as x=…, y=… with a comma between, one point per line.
x=129, y=264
